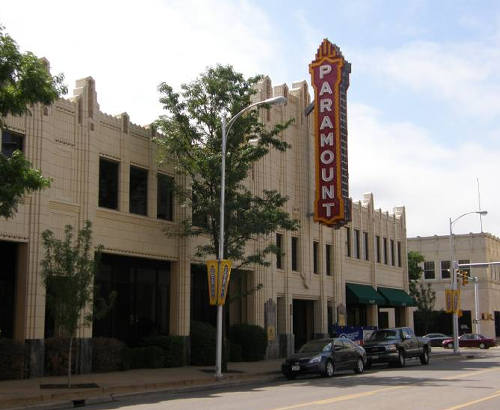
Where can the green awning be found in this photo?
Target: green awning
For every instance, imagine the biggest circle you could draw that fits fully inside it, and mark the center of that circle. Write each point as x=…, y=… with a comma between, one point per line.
x=396, y=297
x=363, y=294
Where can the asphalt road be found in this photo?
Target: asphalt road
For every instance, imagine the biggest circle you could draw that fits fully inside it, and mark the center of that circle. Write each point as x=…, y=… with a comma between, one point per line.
x=444, y=384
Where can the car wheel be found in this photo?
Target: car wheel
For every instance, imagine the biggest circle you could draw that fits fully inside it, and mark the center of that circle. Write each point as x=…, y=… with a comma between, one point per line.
x=424, y=357
x=482, y=346
x=360, y=367
x=450, y=345
x=401, y=359
x=291, y=375
x=329, y=369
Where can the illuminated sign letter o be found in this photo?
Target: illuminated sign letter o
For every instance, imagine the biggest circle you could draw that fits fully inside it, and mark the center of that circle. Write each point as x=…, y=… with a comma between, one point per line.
x=327, y=157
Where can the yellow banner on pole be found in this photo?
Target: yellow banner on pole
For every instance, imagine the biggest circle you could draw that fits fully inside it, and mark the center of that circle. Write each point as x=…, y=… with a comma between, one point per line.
x=224, y=276
x=452, y=300
x=448, y=296
x=213, y=280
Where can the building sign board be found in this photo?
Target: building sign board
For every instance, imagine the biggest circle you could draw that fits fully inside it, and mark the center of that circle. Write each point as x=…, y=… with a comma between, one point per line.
x=329, y=78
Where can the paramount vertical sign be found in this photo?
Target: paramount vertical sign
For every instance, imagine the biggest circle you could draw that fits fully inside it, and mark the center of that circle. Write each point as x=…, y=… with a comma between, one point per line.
x=330, y=80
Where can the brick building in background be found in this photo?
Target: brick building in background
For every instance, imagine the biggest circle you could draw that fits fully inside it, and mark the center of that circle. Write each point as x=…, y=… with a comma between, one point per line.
x=469, y=248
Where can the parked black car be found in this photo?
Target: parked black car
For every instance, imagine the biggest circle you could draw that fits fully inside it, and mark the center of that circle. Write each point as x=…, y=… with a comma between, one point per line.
x=325, y=356
x=395, y=345
x=436, y=339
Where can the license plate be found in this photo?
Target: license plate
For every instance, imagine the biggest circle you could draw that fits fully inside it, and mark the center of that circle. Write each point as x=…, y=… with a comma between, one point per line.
x=295, y=368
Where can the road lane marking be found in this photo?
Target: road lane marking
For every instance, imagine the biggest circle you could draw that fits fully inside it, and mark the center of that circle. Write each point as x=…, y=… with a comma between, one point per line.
x=470, y=403
x=458, y=376
x=372, y=392
x=340, y=398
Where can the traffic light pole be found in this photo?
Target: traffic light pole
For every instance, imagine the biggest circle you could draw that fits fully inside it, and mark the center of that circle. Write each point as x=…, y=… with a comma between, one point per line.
x=477, y=321
x=476, y=304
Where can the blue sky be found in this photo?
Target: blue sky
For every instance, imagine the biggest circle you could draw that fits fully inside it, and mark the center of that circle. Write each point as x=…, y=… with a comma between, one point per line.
x=424, y=100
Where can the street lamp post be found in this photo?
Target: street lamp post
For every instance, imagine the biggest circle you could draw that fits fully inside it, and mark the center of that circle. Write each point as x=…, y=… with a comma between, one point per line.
x=225, y=132
x=454, y=266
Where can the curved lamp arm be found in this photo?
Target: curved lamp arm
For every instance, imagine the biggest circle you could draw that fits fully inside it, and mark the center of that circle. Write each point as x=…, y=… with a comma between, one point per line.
x=273, y=100
x=482, y=213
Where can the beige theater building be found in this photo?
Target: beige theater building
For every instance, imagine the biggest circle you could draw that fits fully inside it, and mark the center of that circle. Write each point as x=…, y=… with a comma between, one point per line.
x=469, y=248
x=104, y=170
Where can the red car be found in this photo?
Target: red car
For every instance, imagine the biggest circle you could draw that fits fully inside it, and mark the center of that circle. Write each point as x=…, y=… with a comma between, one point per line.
x=470, y=340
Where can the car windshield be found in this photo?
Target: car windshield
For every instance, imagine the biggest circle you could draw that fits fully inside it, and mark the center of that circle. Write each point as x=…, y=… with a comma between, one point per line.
x=384, y=335
x=312, y=347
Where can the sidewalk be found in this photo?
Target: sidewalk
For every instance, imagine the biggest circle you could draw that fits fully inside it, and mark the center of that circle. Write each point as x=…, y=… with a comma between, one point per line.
x=27, y=392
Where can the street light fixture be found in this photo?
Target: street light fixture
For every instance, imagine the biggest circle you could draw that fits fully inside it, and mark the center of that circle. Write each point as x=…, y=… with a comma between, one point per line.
x=225, y=131
x=454, y=266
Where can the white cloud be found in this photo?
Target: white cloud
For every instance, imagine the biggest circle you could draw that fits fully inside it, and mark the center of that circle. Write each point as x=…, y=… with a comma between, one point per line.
x=129, y=47
x=402, y=165
x=464, y=74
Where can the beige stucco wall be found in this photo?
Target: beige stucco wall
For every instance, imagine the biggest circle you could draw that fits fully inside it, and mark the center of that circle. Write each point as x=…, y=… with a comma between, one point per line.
x=66, y=141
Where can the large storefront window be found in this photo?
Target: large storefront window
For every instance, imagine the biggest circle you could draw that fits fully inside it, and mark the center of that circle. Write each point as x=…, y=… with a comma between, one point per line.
x=142, y=306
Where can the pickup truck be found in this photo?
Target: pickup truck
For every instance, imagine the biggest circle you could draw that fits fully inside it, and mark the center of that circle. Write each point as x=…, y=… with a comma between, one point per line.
x=395, y=345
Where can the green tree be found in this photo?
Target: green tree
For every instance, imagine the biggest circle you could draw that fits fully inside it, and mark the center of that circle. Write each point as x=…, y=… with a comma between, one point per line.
x=68, y=272
x=18, y=179
x=422, y=292
x=191, y=136
x=414, y=269
x=24, y=81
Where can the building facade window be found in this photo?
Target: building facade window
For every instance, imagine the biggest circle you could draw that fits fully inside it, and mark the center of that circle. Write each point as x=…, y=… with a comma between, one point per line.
x=295, y=254
x=365, y=246
x=357, y=253
x=393, y=255
x=328, y=259
x=138, y=191
x=429, y=272
x=377, y=248
x=386, y=261
x=445, y=270
x=399, y=254
x=11, y=142
x=165, y=197
x=315, y=257
x=198, y=218
x=108, y=183
x=348, y=241
x=279, y=245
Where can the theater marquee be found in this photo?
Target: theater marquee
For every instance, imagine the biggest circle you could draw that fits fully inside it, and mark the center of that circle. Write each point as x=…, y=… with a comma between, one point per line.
x=330, y=79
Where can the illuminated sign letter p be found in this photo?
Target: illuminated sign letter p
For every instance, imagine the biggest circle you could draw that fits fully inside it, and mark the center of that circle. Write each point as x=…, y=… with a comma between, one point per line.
x=324, y=69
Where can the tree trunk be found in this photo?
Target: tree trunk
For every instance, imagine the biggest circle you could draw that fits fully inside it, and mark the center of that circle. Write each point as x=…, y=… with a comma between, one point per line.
x=69, y=360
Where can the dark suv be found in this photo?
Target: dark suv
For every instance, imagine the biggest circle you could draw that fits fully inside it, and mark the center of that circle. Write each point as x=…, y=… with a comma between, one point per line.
x=395, y=345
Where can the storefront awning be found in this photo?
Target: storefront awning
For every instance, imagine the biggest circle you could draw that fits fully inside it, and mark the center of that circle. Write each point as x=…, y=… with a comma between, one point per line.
x=363, y=294
x=396, y=297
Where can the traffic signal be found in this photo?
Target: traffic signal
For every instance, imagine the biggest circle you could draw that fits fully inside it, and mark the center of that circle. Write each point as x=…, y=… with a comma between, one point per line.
x=465, y=277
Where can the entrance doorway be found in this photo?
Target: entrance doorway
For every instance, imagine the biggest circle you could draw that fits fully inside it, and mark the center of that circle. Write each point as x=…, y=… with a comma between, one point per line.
x=497, y=324
x=303, y=321
x=383, y=319
x=465, y=322
x=8, y=258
